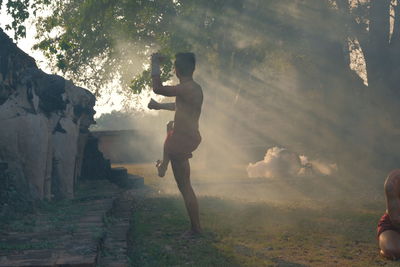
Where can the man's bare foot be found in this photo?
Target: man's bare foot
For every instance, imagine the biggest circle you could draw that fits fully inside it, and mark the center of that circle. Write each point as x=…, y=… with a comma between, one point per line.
x=161, y=167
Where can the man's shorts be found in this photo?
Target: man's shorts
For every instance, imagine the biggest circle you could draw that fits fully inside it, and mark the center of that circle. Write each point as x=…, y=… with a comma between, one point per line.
x=180, y=146
x=385, y=224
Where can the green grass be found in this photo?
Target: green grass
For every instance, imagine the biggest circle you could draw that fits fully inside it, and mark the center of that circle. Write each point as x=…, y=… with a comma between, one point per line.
x=156, y=233
x=312, y=230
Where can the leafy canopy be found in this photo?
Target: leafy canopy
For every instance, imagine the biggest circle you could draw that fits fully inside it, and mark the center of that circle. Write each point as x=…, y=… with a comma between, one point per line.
x=95, y=42
x=20, y=11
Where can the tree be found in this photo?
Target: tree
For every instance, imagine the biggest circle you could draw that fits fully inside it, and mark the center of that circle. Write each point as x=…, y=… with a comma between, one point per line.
x=257, y=56
x=20, y=10
x=376, y=26
x=96, y=40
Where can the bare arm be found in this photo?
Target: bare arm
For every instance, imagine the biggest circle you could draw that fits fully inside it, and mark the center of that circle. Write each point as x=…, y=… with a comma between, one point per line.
x=156, y=105
x=392, y=201
x=167, y=106
x=158, y=87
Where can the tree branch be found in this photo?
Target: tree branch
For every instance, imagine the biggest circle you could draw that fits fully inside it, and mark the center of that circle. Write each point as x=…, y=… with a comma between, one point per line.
x=396, y=26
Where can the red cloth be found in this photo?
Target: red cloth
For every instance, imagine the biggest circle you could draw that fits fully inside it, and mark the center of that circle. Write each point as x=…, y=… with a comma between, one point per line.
x=180, y=146
x=385, y=224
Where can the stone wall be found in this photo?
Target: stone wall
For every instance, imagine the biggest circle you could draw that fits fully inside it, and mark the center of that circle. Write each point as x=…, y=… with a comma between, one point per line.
x=44, y=122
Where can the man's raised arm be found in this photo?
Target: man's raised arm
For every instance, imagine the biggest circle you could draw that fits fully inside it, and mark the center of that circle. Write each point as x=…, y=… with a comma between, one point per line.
x=156, y=72
x=158, y=87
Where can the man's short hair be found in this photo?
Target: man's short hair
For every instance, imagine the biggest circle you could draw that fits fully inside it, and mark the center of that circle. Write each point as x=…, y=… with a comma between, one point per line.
x=185, y=63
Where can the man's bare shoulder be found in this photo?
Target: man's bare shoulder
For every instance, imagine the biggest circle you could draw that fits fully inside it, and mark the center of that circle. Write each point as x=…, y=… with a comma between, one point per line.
x=392, y=183
x=195, y=85
x=199, y=88
x=192, y=88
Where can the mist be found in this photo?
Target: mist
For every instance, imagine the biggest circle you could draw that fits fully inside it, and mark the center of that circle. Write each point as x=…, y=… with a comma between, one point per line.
x=299, y=130
x=285, y=77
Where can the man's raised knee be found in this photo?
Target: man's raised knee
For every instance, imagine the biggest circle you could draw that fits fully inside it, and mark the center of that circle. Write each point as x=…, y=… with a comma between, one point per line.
x=392, y=253
x=395, y=174
x=389, y=243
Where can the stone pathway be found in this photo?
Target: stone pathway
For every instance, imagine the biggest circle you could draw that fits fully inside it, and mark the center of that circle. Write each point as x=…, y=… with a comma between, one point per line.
x=73, y=241
x=90, y=232
x=114, y=251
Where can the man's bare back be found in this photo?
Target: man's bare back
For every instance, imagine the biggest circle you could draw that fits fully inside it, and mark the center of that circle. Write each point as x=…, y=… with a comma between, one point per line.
x=389, y=224
x=392, y=193
x=188, y=108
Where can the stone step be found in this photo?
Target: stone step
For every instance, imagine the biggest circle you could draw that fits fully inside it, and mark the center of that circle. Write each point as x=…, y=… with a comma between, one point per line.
x=120, y=177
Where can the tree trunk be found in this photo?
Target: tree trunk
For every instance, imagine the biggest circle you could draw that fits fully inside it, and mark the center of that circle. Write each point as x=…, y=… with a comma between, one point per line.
x=395, y=49
x=376, y=52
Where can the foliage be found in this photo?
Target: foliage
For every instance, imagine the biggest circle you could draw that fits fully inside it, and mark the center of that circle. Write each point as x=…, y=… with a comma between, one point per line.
x=98, y=41
x=144, y=80
x=95, y=42
x=20, y=12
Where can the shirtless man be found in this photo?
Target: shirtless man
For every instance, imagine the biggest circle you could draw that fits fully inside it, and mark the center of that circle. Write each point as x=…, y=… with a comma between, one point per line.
x=185, y=136
x=389, y=225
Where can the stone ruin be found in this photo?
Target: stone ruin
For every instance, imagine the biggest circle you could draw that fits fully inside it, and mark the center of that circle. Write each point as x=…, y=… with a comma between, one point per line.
x=44, y=121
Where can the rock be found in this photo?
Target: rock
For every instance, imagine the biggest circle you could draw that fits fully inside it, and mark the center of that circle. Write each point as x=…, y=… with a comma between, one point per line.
x=44, y=120
x=94, y=165
x=11, y=200
x=67, y=141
